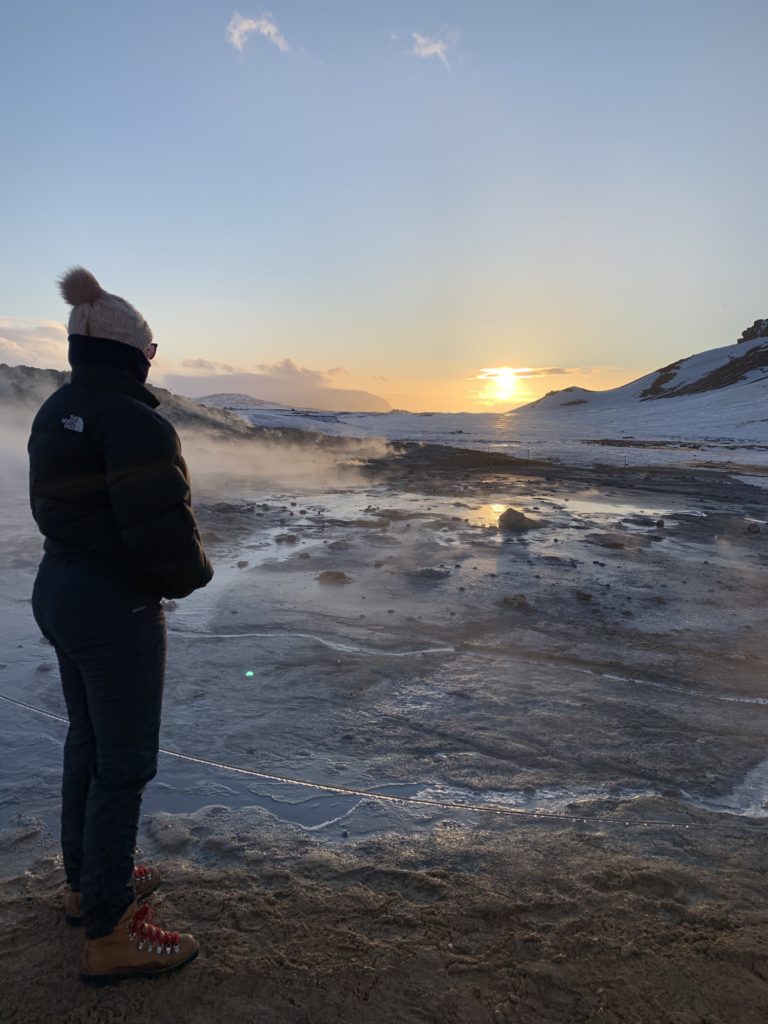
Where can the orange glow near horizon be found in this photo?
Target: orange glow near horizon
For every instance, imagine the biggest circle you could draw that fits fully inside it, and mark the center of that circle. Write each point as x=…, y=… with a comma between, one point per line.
x=501, y=384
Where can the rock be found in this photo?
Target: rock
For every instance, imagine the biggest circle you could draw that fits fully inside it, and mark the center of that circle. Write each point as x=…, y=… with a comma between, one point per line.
x=333, y=576
x=516, y=601
x=339, y=545
x=286, y=538
x=759, y=329
x=429, y=573
x=607, y=540
x=659, y=524
x=242, y=564
x=512, y=521
x=583, y=595
x=304, y=554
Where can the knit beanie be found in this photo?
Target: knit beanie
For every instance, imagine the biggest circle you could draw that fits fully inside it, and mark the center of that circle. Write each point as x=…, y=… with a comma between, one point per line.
x=97, y=314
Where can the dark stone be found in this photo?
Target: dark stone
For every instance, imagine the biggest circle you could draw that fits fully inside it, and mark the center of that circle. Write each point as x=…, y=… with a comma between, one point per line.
x=512, y=521
x=333, y=576
x=759, y=329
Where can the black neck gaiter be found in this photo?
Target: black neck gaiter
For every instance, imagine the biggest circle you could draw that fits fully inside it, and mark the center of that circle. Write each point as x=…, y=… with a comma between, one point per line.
x=107, y=352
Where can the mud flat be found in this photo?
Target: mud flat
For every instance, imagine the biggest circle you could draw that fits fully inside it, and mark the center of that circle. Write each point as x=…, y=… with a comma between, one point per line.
x=421, y=769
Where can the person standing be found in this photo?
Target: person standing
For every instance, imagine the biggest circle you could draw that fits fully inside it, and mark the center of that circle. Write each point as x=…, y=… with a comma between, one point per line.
x=110, y=492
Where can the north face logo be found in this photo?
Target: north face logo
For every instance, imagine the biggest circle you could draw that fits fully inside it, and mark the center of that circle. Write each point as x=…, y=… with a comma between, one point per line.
x=73, y=423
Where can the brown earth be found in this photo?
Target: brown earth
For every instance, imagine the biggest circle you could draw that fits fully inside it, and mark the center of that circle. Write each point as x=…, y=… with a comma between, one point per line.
x=544, y=927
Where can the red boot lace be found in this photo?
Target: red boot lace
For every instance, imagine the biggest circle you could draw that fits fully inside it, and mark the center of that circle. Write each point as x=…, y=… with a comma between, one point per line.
x=140, y=873
x=143, y=925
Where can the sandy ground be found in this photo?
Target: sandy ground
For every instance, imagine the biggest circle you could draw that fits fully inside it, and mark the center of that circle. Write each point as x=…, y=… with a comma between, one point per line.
x=607, y=667
x=531, y=926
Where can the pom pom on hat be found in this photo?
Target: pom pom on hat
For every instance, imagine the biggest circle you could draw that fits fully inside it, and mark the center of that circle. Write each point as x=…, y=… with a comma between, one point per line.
x=98, y=314
x=79, y=285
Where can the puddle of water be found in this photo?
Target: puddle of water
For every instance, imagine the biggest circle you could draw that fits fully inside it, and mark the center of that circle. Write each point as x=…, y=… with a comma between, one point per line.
x=294, y=804
x=320, y=811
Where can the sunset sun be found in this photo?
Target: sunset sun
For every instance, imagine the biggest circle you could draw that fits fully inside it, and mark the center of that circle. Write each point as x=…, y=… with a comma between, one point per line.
x=500, y=384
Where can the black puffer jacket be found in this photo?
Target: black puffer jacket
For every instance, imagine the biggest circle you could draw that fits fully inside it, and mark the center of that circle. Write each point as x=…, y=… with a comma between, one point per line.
x=108, y=485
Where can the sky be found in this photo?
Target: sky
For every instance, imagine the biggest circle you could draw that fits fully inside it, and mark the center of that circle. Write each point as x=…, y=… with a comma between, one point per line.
x=453, y=205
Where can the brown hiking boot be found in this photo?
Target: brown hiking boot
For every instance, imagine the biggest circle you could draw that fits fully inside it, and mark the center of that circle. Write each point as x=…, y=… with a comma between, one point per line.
x=136, y=948
x=145, y=881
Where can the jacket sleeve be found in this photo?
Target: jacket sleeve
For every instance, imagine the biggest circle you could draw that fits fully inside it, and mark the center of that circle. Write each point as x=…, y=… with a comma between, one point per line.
x=149, y=492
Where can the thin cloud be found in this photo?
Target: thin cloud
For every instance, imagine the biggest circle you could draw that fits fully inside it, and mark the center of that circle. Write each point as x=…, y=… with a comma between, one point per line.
x=240, y=27
x=40, y=343
x=523, y=372
x=434, y=46
x=283, y=369
x=287, y=368
x=206, y=364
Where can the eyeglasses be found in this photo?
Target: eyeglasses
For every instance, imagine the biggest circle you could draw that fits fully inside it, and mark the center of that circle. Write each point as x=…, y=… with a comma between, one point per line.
x=151, y=350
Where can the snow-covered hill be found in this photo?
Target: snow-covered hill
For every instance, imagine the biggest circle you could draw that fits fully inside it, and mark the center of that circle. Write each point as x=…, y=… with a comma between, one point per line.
x=708, y=373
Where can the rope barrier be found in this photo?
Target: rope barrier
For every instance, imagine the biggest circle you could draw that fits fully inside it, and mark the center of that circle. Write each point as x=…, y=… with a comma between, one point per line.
x=490, y=807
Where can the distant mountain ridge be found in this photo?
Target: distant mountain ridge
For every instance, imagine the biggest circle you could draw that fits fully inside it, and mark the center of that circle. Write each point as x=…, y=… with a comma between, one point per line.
x=227, y=400
x=289, y=386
